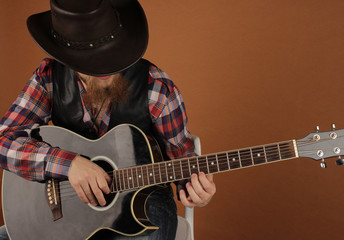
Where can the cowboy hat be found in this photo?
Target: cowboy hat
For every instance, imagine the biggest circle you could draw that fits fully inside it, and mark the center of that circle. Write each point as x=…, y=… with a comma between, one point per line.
x=94, y=37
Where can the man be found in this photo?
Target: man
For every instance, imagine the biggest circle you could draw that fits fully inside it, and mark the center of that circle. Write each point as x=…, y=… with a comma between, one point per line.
x=96, y=81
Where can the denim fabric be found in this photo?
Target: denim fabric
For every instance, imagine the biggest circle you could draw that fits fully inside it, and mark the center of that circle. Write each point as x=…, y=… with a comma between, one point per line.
x=3, y=233
x=162, y=212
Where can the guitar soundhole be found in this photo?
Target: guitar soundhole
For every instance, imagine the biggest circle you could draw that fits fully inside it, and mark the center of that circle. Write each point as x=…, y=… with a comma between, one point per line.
x=104, y=163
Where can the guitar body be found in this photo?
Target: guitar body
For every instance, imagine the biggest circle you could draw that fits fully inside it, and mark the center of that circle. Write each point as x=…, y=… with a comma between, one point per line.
x=26, y=210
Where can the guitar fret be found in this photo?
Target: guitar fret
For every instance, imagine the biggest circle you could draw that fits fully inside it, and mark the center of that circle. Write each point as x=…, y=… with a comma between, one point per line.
x=127, y=178
x=266, y=160
x=206, y=158
x=217, y=163
x=123, y=175
x=140, y=177
x=169, y=171
x=130, y=172
x=223, y=163
x=123, y=178
x=148, y=180
x=203, y=165
x=185, y=168
x=163, y=172
x=115, y=180
x=279, y=151
x=193, y=165
x=213, y=168
x=150, y=174
x=258, y=155
x=119, y=180
x=272, y=153
x=132, y=178
x=229, y=166
x=181, y=168
x=189, y=167
x=154, y=174
x=112, y=186
x=144, y=175
x=234, y=160
x=177, y=169
x=288, y=150
x=239, y=159
x=156, y=170
x=174, y=172
x=137, y=177
x=251, y=156
x=246, y=158
x=166, y=171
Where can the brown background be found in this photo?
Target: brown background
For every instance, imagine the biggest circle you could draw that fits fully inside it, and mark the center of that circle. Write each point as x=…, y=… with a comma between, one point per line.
x=251, y=72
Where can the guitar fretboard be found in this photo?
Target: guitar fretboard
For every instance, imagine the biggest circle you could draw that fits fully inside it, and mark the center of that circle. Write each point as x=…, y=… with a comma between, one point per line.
x=179, y=169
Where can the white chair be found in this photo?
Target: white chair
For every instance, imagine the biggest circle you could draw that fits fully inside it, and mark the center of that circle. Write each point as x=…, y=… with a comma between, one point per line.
x=185, y=230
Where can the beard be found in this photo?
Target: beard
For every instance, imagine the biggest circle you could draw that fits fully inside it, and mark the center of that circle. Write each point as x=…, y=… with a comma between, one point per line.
x=96, y=95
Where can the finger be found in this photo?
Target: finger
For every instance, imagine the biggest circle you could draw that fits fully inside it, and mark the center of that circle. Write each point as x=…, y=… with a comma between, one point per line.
x=98, y=193
x=207, y=183
x=185, y=201
x=89, y=192
x=198, y=187
x=103, y=185
x=107, y=177
x=210, y=177
x=192, y=194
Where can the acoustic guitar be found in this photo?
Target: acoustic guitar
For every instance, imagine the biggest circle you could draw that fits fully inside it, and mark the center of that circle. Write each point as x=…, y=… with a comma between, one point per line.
x=52, y=210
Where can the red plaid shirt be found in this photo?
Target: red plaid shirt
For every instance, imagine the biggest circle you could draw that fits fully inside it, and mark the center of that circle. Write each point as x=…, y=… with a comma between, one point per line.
x=36, y=160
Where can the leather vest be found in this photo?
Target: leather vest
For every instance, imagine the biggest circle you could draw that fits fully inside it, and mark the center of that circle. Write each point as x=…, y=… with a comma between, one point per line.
x=67, y=109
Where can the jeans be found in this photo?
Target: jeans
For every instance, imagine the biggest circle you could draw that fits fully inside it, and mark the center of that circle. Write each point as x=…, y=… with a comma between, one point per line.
x=162, y=212
x=3, y=233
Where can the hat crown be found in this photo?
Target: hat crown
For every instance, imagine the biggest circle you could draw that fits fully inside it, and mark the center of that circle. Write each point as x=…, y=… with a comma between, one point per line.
x=78, y=6
x=76, y=23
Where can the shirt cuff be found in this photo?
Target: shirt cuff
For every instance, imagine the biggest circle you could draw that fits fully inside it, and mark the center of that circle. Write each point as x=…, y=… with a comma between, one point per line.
x=58, y=163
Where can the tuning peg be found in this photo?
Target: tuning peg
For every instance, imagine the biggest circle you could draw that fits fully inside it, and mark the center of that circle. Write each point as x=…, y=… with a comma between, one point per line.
x=317, y=129
x=333, y=127
x=323, y=163
x=340, y=161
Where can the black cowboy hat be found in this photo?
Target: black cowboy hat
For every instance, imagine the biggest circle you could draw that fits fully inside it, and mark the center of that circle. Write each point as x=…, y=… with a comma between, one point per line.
x=94, y=37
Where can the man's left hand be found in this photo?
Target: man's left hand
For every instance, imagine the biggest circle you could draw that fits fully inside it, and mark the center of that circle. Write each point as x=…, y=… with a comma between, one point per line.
x=201, y=189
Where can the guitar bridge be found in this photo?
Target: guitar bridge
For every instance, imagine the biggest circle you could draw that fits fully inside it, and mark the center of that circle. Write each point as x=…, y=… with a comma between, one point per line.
x=52, y=193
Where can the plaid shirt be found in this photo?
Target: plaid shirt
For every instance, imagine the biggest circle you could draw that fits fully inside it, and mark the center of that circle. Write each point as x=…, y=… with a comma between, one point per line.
x=34, y=160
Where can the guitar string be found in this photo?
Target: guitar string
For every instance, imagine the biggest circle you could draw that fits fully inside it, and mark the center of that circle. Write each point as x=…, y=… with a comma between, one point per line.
x=231, y=154
x=221, y=160
x=203, y=163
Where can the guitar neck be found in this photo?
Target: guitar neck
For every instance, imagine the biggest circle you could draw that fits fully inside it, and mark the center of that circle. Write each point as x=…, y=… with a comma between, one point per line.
x=180, y=169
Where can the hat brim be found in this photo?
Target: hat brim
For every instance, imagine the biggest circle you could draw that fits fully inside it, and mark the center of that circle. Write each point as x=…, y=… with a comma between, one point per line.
x=113, y=57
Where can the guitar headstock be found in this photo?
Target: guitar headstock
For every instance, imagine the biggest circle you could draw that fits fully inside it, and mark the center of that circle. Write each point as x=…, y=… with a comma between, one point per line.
x=322, y=145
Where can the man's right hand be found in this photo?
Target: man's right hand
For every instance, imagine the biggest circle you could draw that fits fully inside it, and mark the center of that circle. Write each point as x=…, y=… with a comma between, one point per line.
x=89, y=181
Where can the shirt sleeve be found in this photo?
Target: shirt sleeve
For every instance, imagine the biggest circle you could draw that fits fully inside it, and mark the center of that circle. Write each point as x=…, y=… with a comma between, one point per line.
x=19, y=152
x=169, y=115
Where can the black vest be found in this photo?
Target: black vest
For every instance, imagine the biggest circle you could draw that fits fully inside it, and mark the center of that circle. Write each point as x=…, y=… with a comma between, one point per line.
x=67, y=110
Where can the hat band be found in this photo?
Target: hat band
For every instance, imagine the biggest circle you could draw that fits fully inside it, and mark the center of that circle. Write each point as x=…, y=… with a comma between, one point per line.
x=82, y=45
